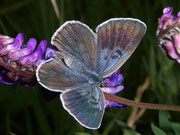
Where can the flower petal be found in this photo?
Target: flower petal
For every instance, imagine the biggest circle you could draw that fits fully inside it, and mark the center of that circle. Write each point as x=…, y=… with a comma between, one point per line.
x=5, y=40
x=31, y=44
x=34, y=56
x=171, y=50
x=49, y=52
x=177, y=43
x=113, y=90
x=109, y=104
x=14, y=46
x=114, y=80
x=167, y=10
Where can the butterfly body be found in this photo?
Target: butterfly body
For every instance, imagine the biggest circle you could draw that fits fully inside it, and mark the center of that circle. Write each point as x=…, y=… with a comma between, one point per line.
x=82, y=59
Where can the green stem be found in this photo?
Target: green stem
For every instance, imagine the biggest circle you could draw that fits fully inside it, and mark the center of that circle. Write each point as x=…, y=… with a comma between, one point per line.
x=140, y=104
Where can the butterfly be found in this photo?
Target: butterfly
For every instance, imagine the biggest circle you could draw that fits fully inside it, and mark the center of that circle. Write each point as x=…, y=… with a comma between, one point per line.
x=83, y=58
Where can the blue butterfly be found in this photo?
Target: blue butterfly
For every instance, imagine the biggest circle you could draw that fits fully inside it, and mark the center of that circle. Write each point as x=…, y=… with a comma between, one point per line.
x=83, y=58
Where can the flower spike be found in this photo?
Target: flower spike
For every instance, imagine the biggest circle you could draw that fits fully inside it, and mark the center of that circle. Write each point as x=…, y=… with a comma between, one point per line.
x=18, y=61
x=168, y=34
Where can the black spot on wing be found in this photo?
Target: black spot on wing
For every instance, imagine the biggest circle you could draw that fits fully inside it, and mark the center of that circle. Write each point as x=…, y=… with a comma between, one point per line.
x=119, y=52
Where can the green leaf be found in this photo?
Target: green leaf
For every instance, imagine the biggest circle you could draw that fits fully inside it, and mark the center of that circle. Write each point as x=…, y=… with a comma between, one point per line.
x=126, y=130
x=176, y=127
x=157, y=131
x=164, y=122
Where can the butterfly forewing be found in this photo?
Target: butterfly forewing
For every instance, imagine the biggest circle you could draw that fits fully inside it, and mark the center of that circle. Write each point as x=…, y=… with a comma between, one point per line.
x=75, y=39
x=86, y=105
x=117, y=39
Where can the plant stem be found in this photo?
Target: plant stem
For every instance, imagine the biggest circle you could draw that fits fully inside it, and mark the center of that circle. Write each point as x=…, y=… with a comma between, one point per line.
x=140, y=104
x=56, y=9
x=136, y=113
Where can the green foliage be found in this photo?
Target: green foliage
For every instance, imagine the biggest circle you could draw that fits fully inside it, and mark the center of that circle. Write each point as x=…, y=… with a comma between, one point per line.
x=164, y=122
x=166, y=126
x=24, y=110
x=157, y=131
x=176, y=127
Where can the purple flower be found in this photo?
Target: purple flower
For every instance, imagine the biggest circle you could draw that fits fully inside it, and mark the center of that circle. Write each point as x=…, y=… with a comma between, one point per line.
x=5, y=40
x=168, y=34
x=113, y=86
x=19, y=61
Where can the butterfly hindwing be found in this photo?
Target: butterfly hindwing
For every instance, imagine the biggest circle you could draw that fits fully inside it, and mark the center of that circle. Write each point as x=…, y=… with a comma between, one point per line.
x=86, y=105
x=56, y=76
x=117, y=39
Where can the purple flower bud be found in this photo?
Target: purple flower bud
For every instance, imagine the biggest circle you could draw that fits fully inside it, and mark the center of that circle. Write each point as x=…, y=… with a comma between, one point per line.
x=177, y=43
x=113, y=86
x=34, y=56
x=169, y=47
x=5, y=40
x=114, y=80
x=167, y=10
x=178, y=14
x=109, y=104
x=14, y=46
x=168, y=34
x=166, y=18
x=49, y=52
x=113, y=90
x=31, y=44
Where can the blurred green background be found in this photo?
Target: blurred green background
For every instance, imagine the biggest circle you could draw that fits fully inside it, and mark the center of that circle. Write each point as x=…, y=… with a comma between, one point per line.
x=24, y=110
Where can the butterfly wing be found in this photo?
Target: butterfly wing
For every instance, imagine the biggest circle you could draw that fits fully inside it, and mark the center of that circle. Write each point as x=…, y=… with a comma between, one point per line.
x=76, y=50
x=54, y=75
x=77, y=41
x=117, y=39
x=86, y=105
